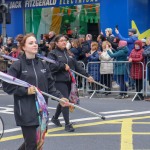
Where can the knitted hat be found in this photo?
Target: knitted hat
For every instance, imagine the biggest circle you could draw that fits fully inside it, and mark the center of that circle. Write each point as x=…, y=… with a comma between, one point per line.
x=139, y=42
x=143, y=40
x=132, y=30
x=122, y=43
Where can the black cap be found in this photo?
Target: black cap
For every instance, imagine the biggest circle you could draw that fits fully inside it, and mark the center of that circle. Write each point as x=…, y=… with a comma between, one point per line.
x=133, y=31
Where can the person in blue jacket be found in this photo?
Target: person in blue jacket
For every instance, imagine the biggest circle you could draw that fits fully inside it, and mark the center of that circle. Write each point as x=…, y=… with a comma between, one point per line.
x=130, y=40
x=94, y=68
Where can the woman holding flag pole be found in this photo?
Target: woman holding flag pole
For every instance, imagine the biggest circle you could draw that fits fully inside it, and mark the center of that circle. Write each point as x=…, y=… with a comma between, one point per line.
x=27, y=112
x=61, y=71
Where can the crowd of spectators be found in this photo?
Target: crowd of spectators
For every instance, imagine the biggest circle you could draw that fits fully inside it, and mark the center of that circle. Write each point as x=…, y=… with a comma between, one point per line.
x=104, y=58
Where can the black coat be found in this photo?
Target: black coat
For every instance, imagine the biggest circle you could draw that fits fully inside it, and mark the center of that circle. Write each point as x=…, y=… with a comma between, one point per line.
x=36, y=73
x=58, y=69
x=85, y=49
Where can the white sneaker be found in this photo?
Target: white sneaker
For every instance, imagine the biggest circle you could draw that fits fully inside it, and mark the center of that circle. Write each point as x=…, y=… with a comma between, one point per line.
x=127, y=84
x=119, y=97
x=126, y=96
x=102, y=90
x=115, y=85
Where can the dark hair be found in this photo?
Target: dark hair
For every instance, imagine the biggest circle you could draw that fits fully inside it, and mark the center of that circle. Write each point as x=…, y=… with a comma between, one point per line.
x=58, y=37
x=102, y=37
x=22, y=43
x=52, y=44
x=19, y=37
x=66, y=36
x=14, y=46
x=7, y=49
x=46, y=36
x=117, y=39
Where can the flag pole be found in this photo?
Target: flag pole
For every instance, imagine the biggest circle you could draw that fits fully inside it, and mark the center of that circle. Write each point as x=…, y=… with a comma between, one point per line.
x=53, y=61
x=76, y=106
x=12, y=80
x=92, y=81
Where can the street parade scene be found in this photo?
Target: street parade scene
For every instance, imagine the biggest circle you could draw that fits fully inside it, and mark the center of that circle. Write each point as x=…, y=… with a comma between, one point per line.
x=74, y=74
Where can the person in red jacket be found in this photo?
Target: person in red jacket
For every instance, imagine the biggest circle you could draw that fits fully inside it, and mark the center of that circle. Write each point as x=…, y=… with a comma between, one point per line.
x=137, y=74
x=14, y=51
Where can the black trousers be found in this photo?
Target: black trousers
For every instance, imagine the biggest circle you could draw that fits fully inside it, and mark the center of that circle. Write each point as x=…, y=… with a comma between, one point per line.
x=139, y=86
x=29, y=135
x=64, y=88
x=106, y=79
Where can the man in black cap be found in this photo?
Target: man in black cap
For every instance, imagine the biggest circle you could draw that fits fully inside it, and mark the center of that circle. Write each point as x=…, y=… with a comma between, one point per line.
x=132, y=31
x=130, y=40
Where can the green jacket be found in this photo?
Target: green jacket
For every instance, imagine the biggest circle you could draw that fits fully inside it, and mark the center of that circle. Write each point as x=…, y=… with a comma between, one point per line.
x=119, y=55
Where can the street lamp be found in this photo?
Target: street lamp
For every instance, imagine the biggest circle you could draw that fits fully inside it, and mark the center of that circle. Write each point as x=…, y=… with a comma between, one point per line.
x=4, y=10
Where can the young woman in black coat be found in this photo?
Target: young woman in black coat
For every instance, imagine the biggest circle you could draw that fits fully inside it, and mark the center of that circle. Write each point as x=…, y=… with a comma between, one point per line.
x=62, y=78
x=32, y=70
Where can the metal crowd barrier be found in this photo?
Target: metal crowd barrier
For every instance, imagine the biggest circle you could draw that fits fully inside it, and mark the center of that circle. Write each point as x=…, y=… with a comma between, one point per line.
x=120, y=74
x=147, y=79
x=80, y=80
x=100, y=71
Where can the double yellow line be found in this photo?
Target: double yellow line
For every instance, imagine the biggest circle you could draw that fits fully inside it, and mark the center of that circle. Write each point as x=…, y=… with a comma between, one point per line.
x=126, y=131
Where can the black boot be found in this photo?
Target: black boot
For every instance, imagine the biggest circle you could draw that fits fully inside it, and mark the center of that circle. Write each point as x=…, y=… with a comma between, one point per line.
x=69, y=128
x=56, y=122
x=22, y=147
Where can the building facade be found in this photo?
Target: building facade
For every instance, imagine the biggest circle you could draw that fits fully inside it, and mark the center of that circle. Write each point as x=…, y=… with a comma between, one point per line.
x=78, y=17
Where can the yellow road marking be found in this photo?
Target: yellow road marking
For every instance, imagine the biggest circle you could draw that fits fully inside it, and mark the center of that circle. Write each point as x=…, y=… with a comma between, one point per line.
x=11, y=138
x=126, y=135
x=83, y=134
x=117, y=121
x=141, y=133
x=141, y=123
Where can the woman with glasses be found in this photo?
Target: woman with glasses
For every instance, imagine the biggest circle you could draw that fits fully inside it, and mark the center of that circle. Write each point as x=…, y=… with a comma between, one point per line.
x=64, y=62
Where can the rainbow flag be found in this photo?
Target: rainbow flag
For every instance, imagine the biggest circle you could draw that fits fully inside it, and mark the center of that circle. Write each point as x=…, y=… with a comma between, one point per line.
x=40, y=104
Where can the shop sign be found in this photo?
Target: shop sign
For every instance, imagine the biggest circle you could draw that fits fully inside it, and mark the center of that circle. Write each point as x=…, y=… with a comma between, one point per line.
x=47, y=3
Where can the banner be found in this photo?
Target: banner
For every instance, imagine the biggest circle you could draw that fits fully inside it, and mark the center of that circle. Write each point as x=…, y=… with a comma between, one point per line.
x=47, y=3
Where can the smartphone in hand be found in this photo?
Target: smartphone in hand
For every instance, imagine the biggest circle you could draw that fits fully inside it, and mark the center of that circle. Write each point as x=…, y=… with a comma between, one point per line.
x=116, y=27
